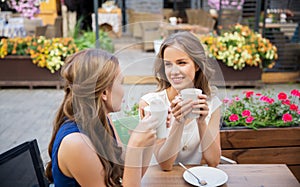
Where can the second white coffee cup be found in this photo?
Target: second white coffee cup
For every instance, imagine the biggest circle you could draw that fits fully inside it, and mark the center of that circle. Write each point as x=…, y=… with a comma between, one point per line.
x=160, y=112
x=191, y=93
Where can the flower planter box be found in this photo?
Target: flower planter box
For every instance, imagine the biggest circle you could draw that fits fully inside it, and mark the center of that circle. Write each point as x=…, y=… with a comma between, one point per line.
x=20, y=71
x=263, y=146
x=248, y=76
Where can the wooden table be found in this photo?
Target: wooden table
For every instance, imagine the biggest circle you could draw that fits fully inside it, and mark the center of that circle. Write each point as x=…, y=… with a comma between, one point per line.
x=287, y=28
x=239, y=175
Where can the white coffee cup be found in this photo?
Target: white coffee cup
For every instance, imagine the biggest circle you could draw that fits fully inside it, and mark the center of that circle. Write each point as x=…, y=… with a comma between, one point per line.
x=173, y=20
x=191, y=93
x=157, y=109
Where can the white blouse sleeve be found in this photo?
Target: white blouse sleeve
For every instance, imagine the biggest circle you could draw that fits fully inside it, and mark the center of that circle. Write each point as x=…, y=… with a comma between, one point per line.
x=148, y=97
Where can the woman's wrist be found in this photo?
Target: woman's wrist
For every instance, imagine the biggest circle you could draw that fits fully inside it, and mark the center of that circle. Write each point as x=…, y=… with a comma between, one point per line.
x=134, y=157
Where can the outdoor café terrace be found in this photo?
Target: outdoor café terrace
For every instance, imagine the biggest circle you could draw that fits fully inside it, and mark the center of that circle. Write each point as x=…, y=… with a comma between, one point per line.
x=31, y=89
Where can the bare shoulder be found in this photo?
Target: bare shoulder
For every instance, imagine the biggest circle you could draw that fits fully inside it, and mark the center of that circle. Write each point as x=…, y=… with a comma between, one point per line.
x=78, y=159
x=77, y=141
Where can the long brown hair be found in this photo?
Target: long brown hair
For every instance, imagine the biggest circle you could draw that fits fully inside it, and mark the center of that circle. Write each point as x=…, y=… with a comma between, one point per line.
x=87, y=75
x=191, y=45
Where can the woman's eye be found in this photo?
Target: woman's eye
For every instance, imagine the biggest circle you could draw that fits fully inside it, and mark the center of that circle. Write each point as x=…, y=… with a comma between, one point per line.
x=181, y=62
x=168, y=64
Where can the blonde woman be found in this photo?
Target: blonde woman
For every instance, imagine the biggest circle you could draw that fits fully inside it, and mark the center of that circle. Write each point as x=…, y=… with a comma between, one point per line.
x=181, y=63
x=84, y=147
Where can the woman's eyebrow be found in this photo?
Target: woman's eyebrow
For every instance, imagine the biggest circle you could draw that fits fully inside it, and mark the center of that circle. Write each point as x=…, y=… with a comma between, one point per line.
x=181, y=59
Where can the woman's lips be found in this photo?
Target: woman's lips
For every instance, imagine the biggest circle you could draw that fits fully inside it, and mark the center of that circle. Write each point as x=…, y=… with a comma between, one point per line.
x=177, y=80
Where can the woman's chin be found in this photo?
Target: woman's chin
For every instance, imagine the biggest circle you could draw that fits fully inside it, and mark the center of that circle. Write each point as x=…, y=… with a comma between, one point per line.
x=181, y=87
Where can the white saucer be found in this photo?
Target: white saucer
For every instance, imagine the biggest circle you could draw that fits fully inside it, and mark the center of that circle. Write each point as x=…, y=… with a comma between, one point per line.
x=213, y=176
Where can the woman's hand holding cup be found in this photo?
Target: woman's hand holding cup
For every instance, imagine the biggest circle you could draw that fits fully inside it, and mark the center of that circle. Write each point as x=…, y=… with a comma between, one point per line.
x=181, y=108
x=199, y=103
x=144, y=135
x=158, y=110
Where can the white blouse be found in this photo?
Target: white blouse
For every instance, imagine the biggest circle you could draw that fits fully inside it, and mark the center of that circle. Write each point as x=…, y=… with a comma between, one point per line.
x=190, y=152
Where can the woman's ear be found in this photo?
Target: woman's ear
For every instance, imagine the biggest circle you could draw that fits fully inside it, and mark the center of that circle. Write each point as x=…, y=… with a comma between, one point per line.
x=196, y=67
x=104, y=95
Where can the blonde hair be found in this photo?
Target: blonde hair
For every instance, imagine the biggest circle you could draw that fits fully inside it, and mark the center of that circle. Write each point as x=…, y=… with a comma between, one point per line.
x=191, y=45
x=87, y=75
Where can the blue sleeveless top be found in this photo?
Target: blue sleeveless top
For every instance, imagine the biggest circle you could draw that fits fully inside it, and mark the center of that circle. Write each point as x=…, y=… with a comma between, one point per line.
x=59, y=178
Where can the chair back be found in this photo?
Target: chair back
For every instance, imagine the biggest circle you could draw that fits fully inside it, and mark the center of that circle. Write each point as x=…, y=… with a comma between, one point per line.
x=200, y=17
x=22, y=166
x=228, y=18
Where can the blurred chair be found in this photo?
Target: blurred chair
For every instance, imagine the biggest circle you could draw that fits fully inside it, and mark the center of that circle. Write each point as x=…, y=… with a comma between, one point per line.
x=202, y=18
x=40, y=30
x=22, y=166
x=169, y=12
x=228, y=18
x=191, y=15
x=150, y=31
x=31, y=24
x=143, y=17
x=50, y=31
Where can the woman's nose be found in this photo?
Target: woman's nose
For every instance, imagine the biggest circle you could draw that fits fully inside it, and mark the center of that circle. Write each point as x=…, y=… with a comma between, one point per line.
x=175, y=69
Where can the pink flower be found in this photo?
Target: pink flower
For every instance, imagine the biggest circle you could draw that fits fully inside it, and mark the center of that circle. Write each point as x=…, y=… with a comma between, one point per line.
x=226, y=100
x=237, y=99
x=249, y=119
x=233, y=117
x=282, y=96
x=246, y=113
x=287, y=117
x=293, y=107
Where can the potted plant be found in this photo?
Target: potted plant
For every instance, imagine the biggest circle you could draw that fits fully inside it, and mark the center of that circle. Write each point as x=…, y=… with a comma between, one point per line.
x=37, y=60
x=45, y=53
x=240, y=50
x=262, y=128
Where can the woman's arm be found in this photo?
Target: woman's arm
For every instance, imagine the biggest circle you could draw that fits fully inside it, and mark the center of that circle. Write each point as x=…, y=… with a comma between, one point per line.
x=139, y=148
x=166, y=150
x=209, y=134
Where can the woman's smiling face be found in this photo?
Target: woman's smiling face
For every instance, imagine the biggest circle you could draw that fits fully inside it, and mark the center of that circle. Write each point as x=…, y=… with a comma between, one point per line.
x=180, y=69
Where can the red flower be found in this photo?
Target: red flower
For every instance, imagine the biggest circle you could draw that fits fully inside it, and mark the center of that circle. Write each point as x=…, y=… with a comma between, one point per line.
x=270, y=100
x=287, y=117
x=249, y=94
x=267, y=99
x=233, y=117
x=295, y=92
x=286, y=102
x=282, y=96
x=246, y=113
x=249, y=119
x=293, y=107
